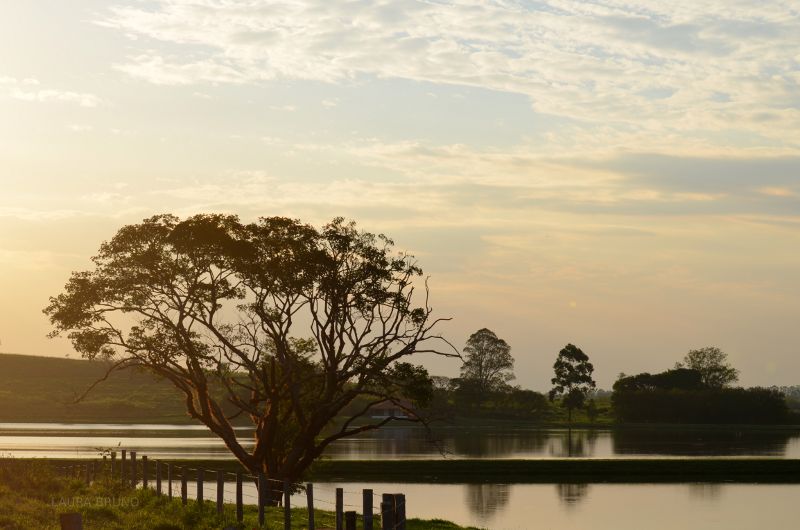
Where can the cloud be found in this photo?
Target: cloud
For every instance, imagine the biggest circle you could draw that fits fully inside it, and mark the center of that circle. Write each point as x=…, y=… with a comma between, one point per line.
x=29, y=90
x=653, y=68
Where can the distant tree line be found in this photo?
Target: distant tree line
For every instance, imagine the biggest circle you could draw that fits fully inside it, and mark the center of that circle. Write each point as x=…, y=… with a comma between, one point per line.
x=696, y=391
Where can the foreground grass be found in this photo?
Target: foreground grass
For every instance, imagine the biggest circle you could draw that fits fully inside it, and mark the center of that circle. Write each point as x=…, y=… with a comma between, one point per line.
x=33, y=496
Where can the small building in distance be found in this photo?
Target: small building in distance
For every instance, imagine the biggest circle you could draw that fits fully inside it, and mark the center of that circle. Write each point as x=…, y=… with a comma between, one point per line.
x=392, y=409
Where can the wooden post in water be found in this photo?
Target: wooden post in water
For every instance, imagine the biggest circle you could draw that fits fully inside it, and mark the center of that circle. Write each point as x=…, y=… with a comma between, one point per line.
x=220, y=492
x=200, y=479
x=287, y=506
x=184, y=494
x=368, y=510
x=134, y=478
x=400, y=511
x=71, y=521
x=262, y=495
x=145, y=480
x=158, y=478
x=350, y=520
x=123, y=473
x=239, y=504
x=339, y=509
x=310, y=502
x=387, y=512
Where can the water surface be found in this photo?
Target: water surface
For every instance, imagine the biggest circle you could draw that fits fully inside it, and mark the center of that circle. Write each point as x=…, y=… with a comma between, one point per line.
x=182, y=441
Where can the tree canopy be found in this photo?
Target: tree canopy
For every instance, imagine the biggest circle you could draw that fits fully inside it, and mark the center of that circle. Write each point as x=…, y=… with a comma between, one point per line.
x=573, y=378
x=276, y=321
x=712, y=364
x=488, y=364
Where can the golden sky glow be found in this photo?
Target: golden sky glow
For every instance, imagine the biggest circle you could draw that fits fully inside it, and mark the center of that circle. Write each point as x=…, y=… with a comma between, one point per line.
x=620, y=175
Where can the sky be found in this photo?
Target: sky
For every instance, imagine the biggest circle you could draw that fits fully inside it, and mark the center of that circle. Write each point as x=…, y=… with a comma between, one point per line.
x=623, y=175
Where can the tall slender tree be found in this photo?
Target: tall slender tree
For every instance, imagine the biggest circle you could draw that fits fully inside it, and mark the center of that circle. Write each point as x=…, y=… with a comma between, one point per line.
x=573, y=378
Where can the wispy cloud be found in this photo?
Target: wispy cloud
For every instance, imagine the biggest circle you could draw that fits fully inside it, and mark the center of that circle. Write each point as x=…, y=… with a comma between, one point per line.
x=31, y=90
x=655, y=68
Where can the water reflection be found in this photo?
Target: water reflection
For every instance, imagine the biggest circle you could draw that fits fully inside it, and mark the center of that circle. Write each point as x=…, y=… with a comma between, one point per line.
x=702, y=442
x=573, y=443
x=572, y=494
x=484, y=500
x=31, y=440
x=705, y=491
x=498, y=444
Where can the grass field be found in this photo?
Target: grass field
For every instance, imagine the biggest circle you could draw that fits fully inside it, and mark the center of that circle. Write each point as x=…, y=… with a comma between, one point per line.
x=32, y=496
x=43, y=389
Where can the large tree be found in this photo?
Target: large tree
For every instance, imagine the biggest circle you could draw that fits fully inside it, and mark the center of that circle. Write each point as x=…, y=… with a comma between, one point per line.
x=573, y=378
x=712, y=363
x=275, y=321
x=488, y=364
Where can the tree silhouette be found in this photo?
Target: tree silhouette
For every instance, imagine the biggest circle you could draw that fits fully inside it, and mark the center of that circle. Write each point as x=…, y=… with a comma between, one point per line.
x=712, y=364
x=573, y=378
x=275, y=321
x=488, y=363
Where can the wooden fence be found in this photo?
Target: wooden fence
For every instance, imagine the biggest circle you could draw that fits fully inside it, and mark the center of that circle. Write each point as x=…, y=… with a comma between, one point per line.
x=172, y=480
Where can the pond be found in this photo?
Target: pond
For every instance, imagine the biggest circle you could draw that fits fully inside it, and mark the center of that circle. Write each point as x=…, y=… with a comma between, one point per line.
x=182, y=441
x=571, y=506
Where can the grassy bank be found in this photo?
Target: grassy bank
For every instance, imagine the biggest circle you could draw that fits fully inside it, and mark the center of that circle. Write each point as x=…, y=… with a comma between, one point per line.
x=33, y=496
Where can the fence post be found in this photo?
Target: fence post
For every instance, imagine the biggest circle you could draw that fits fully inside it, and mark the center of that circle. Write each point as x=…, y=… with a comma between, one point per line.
x=310, y=500
x=144, y=472
x=113, y=463
x=184, y=494
x=220, y=492
x=123, y=468
x=200, y=479
x=368, y=510
x=387, y=512
x=262, y=494
x=287, y=506
x=239, y=504
x=94, y=468
x=86, y=474
x=169, y=480
x=400, y=511
x=158, y=478
x=134, y=478
x=339, y=509
x=350, y=520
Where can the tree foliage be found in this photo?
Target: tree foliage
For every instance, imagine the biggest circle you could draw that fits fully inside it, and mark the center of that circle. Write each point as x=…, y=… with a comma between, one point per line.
x=676, y=379
x=705, y=405
x=287, y=324
x=712, y=364
x=488, y=364
x=573, y=378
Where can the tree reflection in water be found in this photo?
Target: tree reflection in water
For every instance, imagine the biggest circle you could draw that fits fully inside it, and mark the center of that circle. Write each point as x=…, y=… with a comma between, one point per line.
x=572, y=494
x=705, y=491
x=484, y=500
x=574, y=443
x=497, y=444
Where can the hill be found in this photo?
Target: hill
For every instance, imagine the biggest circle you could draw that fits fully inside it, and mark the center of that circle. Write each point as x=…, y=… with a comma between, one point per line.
x=42, y=389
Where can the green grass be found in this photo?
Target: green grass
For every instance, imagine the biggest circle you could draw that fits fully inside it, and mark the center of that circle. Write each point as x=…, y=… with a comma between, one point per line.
x=43, y=389
x=32, y=495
